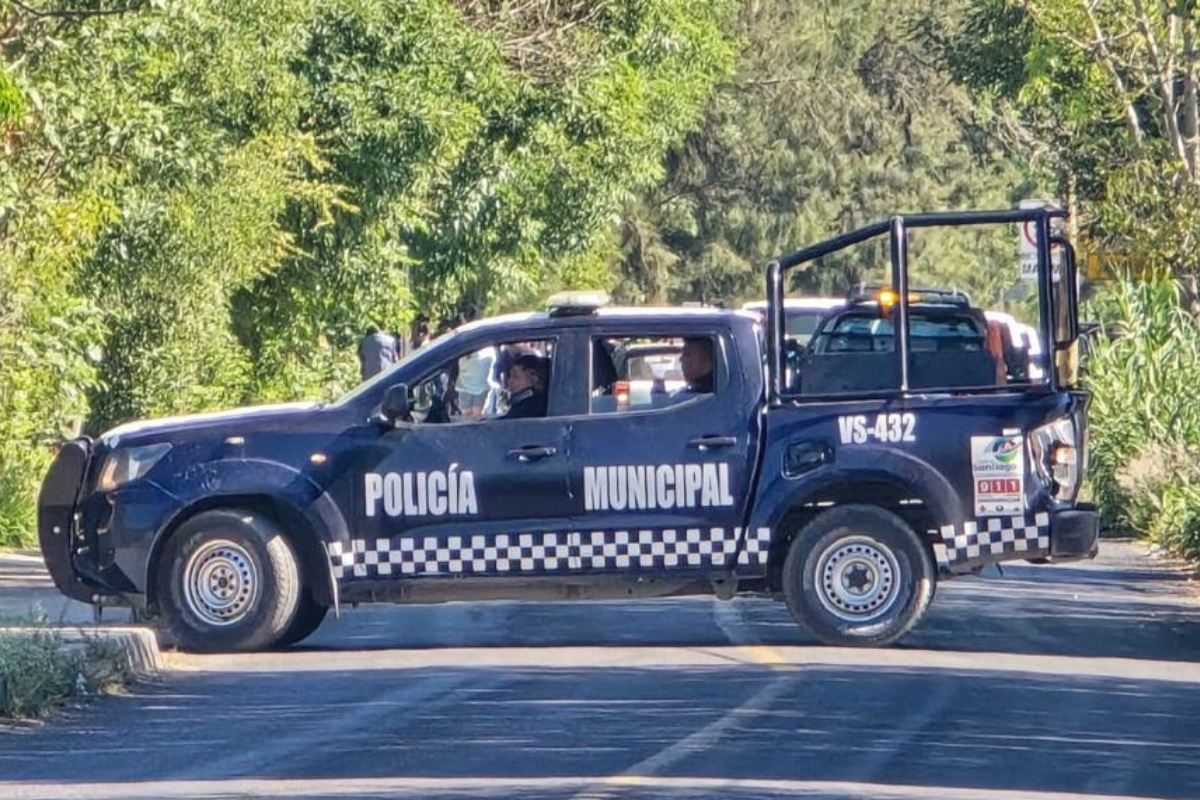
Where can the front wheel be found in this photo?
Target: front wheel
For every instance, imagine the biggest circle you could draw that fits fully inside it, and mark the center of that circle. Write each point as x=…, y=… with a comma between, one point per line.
x=858, y=575
x=228, y=580
x=309, y=616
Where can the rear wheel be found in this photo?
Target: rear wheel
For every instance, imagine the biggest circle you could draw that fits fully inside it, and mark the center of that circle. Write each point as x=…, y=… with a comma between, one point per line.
x=228, y=580
x=858, y=575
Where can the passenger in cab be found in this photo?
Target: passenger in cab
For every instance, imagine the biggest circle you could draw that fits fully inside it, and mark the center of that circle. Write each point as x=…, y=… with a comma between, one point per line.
x=525, y=382
x=696, y=361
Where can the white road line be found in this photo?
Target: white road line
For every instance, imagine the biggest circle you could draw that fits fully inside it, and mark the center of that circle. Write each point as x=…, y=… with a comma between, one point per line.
x=653, y=657
x=510, y=787
x=733, y=625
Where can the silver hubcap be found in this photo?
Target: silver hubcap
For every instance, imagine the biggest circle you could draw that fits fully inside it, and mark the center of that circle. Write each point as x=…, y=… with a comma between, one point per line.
x=221, y=583
x=858, y=577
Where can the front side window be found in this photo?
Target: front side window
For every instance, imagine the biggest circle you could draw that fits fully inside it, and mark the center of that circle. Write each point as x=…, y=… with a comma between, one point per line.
x=642, y=373
x=508, y=380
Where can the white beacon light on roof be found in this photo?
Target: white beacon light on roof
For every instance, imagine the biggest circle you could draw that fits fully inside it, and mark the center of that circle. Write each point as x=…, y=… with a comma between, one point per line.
x=566, y=304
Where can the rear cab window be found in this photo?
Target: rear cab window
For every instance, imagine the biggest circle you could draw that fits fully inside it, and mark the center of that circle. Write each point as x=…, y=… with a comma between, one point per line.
x=928, y=331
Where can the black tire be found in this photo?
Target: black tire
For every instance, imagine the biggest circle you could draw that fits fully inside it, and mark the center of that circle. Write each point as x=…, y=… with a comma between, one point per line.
x=848, y=544
x=228, y=580
x=309, y=616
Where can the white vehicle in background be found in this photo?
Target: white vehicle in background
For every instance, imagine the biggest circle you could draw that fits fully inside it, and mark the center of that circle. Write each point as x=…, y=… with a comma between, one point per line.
x=802, y=314
x=648, y=371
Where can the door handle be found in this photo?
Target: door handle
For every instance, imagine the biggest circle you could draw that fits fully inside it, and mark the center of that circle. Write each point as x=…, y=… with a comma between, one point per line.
x=532, y=452
x=712, y=442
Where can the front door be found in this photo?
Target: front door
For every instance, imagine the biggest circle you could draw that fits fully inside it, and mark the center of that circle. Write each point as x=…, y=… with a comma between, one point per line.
x=475, y=484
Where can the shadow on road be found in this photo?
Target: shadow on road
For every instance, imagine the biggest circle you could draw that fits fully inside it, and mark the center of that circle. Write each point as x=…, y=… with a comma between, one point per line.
x=973, y=730
x=1006, y=615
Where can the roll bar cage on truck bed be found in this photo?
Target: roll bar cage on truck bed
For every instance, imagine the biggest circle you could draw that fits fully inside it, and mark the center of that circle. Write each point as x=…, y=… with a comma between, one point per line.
x=978, y=471
x=243, y=528
x=896, y=228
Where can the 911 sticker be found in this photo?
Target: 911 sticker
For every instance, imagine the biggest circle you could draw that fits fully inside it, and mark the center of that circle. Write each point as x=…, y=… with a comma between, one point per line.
x=998, y=471
x=886, y=428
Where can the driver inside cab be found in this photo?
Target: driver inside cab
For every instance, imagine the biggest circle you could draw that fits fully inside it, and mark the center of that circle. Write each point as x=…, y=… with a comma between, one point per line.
x=525, y=382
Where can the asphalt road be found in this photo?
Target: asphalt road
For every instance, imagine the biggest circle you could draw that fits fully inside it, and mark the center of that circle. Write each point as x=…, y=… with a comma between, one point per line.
x=1050, y=682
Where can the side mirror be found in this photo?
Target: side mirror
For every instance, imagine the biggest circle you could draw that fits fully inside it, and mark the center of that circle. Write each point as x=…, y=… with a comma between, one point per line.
x=1065, y=302
x=396, y=403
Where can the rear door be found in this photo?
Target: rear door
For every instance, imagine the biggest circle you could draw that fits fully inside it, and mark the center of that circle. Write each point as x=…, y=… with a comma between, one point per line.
x=661, y=479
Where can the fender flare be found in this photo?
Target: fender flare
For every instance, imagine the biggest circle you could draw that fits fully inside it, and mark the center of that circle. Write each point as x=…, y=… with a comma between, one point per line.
x=308, y=513
x=856, y=465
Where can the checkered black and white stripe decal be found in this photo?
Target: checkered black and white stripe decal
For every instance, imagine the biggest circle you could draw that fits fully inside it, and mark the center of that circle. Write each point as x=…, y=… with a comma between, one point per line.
x=549, y=553
x=993, y=537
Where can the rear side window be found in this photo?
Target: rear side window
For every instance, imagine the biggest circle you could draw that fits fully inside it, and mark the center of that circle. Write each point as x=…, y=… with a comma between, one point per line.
x=650, y=372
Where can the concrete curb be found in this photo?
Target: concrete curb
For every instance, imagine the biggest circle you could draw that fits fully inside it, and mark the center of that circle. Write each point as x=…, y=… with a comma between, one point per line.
x=21, y=557
x=138, y=647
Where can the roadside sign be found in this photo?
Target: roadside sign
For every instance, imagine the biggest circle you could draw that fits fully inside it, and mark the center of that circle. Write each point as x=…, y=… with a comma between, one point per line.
x=1027, y=241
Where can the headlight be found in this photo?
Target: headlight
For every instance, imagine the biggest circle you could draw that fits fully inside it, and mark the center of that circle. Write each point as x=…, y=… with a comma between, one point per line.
x=130, y=463
x=1056, y=457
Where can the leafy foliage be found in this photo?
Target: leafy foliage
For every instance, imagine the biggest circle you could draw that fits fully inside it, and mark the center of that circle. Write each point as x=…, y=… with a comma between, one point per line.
x=834, y=119
x=203, y=203
x=1103, y=96
x=1143, y=375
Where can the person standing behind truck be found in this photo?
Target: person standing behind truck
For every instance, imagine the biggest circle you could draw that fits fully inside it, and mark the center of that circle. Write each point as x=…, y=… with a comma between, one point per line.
x=377, y=351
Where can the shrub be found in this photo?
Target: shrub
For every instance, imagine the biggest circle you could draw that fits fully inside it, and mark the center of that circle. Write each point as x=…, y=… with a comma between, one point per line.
x=1144, y=420
x=38, y=671
x=1143, y=376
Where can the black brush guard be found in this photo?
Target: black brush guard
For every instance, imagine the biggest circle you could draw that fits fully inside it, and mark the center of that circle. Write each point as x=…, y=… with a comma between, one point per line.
x=58, y=532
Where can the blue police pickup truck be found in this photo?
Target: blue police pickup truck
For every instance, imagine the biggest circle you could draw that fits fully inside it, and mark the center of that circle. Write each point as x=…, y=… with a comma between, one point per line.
x=598, y=452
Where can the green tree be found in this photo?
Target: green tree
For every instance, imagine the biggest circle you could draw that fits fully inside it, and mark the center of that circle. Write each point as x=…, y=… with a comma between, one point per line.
x=1103, y=96
x=833, y=119
x=485, y=154
x=203, y=203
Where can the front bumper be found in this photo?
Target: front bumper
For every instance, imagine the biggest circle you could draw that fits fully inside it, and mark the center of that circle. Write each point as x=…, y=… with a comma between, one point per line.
x=58, y=523
x=73, y=530
x=1074, y=534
